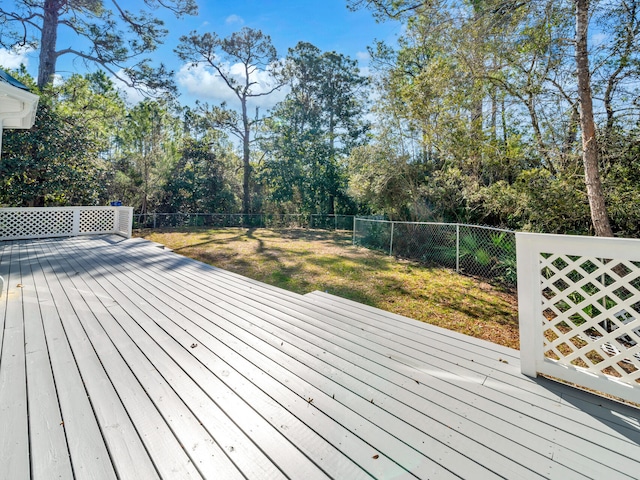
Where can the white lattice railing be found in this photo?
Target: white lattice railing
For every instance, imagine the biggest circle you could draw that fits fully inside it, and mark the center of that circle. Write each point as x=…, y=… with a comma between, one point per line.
x=579, y=304
x=17, y=223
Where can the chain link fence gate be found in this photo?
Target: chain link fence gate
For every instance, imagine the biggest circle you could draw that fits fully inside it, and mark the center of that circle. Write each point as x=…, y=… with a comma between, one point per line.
x=473, y=250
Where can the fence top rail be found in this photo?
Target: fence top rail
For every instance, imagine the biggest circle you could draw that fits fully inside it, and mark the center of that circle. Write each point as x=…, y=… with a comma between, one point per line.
x=224, y=214
x=82, y=207
x=361, y=219
x=616, y=247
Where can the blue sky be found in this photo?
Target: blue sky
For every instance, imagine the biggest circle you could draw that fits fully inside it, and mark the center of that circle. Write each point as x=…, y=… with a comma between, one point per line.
x=325, y=23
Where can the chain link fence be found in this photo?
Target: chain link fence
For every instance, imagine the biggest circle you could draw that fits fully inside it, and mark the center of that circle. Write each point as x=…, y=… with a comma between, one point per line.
x=331, y=222
x=473, y=250
x=260, y=220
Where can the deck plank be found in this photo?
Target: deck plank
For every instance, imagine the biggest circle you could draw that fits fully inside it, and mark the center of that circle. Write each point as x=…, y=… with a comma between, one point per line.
x=91, y=410
x=627, y=416
x=507, y=375
x=310, y=391
x=49, y=453
x=78, y=418
x=5, y=267
x=510, y=472
x=281, y=418
x=217, y=375
x=125, y=412
x=165, y=356
x=585, y=458
x=14, y=439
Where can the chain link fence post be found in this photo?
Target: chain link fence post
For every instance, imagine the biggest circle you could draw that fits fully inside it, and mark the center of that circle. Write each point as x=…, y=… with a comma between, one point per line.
x=354, y=230
x=391, y=240
x=457, y=247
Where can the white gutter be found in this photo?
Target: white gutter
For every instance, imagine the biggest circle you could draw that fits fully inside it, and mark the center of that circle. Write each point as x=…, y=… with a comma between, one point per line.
x=17, y=108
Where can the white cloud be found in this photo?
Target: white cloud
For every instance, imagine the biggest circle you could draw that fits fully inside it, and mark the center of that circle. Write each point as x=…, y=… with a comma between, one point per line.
x=363, y=56
x=57, y=79
x=14, y=58
x=234, y=19
x=204, y=83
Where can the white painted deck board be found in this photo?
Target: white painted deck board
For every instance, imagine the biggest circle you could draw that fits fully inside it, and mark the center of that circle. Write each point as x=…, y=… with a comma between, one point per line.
x=14, y=441
x=595, y=466
x=483, y=372
x=120, y=402
x=558, y=450
x=586, y=400
x=381, y=436
x=295, y=427
x=507, y=374
x=278, y=385
x=49, y=451
x=192, y=381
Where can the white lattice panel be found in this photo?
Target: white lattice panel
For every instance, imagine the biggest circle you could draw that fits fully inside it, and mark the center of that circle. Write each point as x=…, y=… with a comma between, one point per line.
x=579, y=301
x=35, y=223
x=16, y=223
x=97, y=220
x=591, y=313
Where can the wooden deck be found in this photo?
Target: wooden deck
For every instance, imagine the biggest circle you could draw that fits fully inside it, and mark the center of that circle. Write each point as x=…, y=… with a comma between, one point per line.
x=123, y=360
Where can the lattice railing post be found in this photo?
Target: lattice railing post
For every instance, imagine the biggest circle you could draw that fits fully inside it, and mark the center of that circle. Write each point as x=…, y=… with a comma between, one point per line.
x=75, y=229
x=529, y=306
x=124, y=221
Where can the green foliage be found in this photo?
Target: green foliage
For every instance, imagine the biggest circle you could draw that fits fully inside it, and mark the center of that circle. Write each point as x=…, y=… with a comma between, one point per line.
x=377, y=236
x=477, y=121
x=621, y=179
x=112, y=38
x=483, y=94
x=149, y=139
x=310, y=133
x=54, y=163
x=538, y=201
x=199, y=182
x=92, y=100
x=253, y=51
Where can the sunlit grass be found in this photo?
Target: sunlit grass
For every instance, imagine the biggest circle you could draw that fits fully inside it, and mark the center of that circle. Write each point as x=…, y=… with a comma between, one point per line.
x=306, y=260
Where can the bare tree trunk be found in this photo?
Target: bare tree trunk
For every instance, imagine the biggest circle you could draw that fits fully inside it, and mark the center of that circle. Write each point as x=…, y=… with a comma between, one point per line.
x=332, y=158
x=599, y=216
x=246, y=165
x=48, y=40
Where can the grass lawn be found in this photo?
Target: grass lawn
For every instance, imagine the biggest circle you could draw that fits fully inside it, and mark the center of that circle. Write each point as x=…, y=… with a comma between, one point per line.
x=303, y=260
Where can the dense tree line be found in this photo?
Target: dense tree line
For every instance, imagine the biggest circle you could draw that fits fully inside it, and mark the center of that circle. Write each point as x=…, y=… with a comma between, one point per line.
x=89, y=147
x=501, y=112
x=523, y=114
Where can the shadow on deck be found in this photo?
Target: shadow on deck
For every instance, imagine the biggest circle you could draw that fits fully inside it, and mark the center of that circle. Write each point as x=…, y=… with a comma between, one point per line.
x=123, y=360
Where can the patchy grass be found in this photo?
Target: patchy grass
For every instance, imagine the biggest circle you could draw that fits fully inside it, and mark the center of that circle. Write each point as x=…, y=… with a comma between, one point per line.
x=305, y=260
